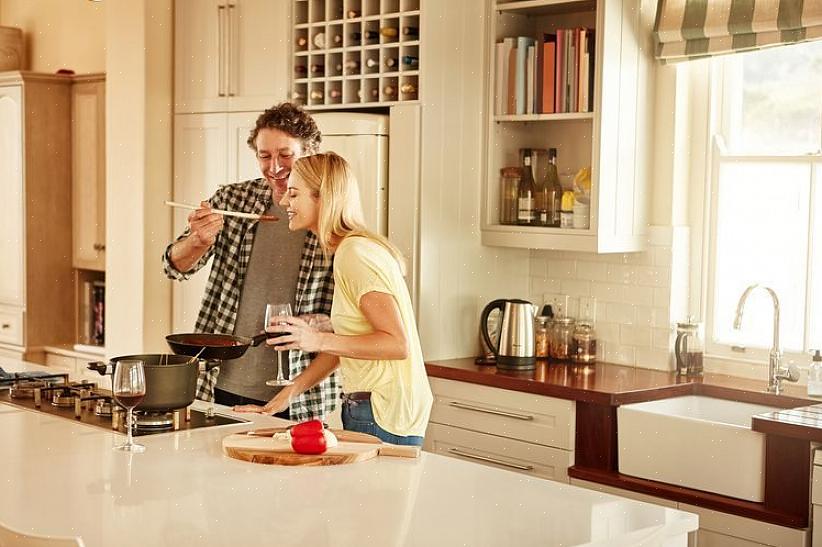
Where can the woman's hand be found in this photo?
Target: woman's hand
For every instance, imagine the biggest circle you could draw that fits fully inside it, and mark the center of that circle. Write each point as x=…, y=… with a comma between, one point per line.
x=299, y=334
x=279, y=403
x=319, y=321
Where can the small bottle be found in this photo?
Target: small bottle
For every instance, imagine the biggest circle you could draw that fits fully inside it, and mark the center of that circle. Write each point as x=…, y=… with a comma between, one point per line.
x=408, y=89
x=337, y=40
x=389, y=90
x=509, y=191
x=815, y=375
x=566, y=213
x=371, y=63
x=335, y=93
x=585, y=343
x=542, y=337
x=371, y=35
x=317, y=69
x=525, y=199
x=410, y=61
x=300, y=69
x=391, y=62
x=389, y=32
x=302, y=41
x=554, y=190
x=352, y=13
x=316, y=94
x=410, y=31
x=352, y=66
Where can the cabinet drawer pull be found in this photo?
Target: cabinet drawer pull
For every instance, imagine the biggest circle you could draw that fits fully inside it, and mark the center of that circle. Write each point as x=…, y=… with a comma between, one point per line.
x=221, y=24
x=230, y=69
x=459, y=452
x=99, y=247
x=5, y=326
x=516, y=415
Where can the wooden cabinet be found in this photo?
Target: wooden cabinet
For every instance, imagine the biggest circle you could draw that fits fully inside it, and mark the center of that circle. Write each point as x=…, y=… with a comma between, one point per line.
x=612, y=140
x=36, y=296
x=230, y=55
x=507, y=429
x=209, y=150
x=816, y=497
x=88, y=150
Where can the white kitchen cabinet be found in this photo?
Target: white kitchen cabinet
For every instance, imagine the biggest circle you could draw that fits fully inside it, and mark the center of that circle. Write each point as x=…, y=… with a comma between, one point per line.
x=612, y=139
x=75, y=363
x=36, y=294
x=230, y=55
x=210, y=150
x=88, y=150
x=523, y=432
x=816, y=497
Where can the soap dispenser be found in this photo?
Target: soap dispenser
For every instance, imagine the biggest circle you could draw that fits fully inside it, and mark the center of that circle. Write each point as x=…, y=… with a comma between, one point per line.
x=815, y=375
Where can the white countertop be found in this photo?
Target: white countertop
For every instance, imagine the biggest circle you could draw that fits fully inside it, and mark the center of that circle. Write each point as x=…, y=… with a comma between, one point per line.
x=62, y=478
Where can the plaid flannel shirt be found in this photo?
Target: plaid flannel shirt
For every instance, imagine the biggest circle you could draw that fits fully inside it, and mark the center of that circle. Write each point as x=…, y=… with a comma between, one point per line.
x=231, y=253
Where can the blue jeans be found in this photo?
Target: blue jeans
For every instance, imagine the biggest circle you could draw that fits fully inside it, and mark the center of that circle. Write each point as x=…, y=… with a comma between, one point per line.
x=359, y=416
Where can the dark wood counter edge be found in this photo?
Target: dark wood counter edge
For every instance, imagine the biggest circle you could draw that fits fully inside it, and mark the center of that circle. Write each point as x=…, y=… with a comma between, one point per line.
x=771, y=426
x=705, y=500
x=580, y=394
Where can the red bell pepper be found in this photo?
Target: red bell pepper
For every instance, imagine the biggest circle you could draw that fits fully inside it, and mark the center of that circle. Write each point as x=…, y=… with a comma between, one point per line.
x=311, y=427
x=308, y=444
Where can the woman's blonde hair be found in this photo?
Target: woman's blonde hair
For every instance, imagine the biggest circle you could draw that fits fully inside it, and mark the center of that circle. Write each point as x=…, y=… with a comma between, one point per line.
x=329, y=177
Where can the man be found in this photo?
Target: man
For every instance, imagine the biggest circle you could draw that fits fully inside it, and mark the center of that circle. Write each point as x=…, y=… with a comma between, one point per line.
x=255, y=263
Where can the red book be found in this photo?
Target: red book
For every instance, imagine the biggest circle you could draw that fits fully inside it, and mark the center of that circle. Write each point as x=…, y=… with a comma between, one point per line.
x=549, y=82
x=559, y=97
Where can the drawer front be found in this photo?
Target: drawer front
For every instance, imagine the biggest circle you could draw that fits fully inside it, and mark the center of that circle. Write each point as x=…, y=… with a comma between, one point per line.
x=12, y=354
x=816, y=486
x=11, y=326
x=526, y=458
x=524, y=416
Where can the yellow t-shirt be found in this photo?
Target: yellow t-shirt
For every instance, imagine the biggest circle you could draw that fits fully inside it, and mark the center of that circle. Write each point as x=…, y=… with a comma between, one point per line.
x=400, y=394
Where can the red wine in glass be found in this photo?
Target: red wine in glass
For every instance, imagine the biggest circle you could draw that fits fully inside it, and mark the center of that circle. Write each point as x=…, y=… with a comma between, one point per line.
x=129, y=400
x=129, y=389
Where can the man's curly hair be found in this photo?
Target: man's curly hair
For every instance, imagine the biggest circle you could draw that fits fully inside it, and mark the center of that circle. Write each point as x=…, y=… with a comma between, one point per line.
x=291, y=119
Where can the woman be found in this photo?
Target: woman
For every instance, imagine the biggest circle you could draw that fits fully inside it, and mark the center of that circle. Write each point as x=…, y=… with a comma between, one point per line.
x=375, y=341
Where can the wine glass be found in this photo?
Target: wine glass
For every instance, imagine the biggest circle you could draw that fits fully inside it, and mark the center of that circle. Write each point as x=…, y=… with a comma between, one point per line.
x=272, y=311
x=129, y=385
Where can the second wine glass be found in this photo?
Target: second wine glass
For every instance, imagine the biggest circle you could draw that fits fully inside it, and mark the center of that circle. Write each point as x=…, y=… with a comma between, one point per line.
x=129, y=390
x=272, y=312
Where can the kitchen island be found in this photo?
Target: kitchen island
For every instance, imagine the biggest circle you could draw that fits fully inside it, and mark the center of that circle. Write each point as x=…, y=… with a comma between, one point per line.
x=63, y=478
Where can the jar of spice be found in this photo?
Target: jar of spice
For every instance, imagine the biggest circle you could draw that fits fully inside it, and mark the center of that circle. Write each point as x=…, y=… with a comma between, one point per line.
x=585, y=343
x=562, y=339
x=542, y=337
x=509, y=193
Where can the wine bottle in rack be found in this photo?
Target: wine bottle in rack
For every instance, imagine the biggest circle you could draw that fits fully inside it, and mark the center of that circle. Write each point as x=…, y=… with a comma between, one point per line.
x=352, y=13
x=317, y=69
x=371, y=35
x=298, y=96
x=300, y=69
x=408, y=89
x=319, y=40
x=371, y=63
x=337, y=40
x=389, y=32
x=373, y=92
x=316, y=94
x=410, y=31
x=352, y=66
x=389, y=90
x=410, y=61
x=302, y=41
x=335, y=93
x=390, y=62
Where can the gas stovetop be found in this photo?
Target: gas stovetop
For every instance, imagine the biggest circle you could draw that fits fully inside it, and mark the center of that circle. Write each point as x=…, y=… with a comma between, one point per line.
x=87, y=403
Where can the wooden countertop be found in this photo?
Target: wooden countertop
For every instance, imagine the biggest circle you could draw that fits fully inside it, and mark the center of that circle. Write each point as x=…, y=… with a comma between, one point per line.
x=613, y=385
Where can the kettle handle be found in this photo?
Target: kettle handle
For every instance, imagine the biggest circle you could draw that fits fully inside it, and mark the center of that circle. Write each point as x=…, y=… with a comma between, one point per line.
x=493, y=305
x=680, y=339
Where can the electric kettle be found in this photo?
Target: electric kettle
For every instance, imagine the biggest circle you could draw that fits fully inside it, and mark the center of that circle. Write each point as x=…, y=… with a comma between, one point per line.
x=515, y=350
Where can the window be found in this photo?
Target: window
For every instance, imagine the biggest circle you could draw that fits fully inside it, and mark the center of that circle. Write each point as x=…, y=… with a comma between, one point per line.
x=765, y=221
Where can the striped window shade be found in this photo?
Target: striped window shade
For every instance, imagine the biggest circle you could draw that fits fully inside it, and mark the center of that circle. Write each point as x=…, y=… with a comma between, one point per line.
x=689, y=29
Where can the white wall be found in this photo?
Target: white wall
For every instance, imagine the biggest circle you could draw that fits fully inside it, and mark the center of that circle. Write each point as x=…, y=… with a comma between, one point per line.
x=60, y=33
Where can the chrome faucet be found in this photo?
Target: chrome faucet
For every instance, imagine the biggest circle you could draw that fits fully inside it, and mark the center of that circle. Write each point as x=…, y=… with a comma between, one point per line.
x=776, y=373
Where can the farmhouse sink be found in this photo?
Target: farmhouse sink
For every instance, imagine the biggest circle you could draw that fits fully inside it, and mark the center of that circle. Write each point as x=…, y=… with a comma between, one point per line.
x=696, y=442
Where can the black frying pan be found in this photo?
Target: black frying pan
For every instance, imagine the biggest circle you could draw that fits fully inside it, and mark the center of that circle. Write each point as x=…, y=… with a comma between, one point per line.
x=212, y=346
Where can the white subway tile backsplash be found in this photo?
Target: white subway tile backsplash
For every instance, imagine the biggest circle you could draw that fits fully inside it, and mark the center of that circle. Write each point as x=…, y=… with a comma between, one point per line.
x=662, y=296
x=606, y=331
x=593, y=271
x=640, y=296
x=653, y=276
x=620, y=313
x=660, y=235
x=562, y=269
x=637, y=259
x=635, y=335
x=619, y=273
x=607, y=292
x=572, y=287
x=653, y=358
x=540, y=286
x=663, y=256
x=662, y=338
x=621, y=355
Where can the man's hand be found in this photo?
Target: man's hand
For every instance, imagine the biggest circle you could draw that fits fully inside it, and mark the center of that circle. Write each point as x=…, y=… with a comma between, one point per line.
x=204, y=225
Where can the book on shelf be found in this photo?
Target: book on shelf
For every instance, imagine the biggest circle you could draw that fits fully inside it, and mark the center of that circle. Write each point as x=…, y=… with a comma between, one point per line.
x=92, y=313
x=553, y=74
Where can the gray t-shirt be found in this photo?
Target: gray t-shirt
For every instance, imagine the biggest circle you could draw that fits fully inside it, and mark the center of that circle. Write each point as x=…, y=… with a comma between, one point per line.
x=271, y=278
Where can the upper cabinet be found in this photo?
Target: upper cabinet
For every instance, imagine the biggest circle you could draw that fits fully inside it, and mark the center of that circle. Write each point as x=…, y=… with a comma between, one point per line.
x=610, y=134
x=88, y=121
x=230, y=55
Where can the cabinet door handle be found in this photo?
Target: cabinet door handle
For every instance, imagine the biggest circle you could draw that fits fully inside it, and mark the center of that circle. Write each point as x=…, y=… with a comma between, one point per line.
x=5, y=326
x=99, y=247
x=220, y=50
x=473, y=456
x=230, y=64
x=515, y=415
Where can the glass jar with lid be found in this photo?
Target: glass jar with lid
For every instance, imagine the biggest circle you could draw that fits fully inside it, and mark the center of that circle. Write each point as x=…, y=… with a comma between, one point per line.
x=562, y=339
x=509, y=193
x=585, y=343
x=542, y=336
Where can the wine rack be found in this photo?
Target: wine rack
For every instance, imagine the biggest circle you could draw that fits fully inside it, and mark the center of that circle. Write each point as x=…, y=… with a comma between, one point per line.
x=355, y=53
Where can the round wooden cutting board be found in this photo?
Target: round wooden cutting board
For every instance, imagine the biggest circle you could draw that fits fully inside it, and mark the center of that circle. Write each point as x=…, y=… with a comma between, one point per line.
x=278, y=452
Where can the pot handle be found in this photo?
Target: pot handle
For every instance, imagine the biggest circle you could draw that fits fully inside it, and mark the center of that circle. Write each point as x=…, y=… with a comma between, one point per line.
x=257, y=340
x=101, y=368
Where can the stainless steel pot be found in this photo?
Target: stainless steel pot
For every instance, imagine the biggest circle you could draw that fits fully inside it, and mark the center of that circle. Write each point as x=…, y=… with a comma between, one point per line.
x=171, y=380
